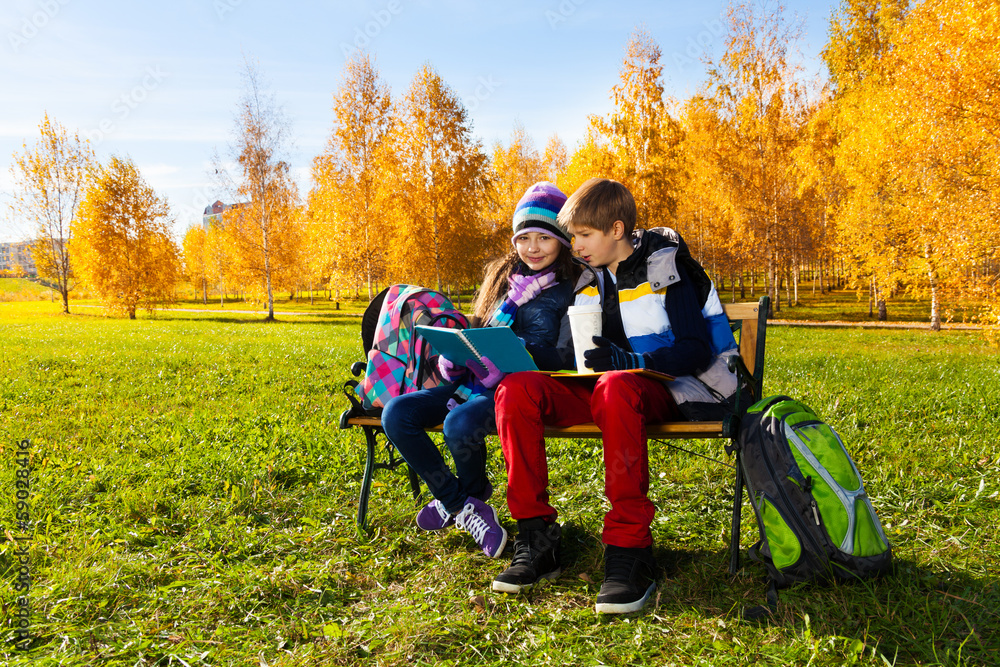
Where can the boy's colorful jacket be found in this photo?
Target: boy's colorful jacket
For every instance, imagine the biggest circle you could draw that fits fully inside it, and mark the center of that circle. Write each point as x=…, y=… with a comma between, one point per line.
x=660, y=303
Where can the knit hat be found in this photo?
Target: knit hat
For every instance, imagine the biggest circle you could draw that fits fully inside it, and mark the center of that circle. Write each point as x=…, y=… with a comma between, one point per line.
x=537, y=211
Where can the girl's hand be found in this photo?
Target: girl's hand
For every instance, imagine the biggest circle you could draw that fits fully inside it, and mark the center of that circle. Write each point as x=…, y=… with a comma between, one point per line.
x=525, y=288
x=448, y=370
x=487, y=373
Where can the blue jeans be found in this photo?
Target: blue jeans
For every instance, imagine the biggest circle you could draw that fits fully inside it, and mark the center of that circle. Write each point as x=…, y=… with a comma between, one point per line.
x=404, y=420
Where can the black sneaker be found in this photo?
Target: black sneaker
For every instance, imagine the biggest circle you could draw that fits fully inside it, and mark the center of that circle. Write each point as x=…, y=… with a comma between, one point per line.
x=629, y=579
x=536, y=557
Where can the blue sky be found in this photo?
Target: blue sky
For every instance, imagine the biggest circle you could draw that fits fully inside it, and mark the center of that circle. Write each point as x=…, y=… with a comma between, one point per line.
x=159, y=81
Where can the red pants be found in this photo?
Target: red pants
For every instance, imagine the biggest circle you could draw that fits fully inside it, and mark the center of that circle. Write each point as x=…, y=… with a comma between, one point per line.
x=621, y=404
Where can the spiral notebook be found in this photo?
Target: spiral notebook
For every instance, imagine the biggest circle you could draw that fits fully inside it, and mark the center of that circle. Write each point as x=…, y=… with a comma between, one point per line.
x=500, y=344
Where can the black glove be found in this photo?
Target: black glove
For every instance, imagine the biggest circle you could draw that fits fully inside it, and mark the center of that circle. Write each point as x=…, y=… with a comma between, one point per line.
x=609, y=357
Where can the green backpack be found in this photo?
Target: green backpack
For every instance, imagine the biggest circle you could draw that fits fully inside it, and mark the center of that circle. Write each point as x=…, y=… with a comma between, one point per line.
x=816, y=522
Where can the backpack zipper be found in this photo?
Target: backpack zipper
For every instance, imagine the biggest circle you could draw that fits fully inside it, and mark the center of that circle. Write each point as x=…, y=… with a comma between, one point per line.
x=817, y=549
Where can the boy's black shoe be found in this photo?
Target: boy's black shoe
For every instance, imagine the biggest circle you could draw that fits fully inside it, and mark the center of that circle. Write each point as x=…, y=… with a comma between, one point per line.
x=629, y=579
x=536, y=557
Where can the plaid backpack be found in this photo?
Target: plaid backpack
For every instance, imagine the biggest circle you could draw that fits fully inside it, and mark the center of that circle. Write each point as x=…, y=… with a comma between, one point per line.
x=398, y=361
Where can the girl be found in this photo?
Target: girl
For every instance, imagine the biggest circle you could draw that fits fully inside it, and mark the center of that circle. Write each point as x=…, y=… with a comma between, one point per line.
x=529, y=291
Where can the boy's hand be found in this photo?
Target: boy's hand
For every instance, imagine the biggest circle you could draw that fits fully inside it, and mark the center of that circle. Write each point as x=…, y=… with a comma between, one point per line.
x=487, y=373
x=609, y=357
x=448, y=370
x=525, y=288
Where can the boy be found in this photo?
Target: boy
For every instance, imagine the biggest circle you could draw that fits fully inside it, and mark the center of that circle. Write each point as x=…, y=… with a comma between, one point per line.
x=660, y=312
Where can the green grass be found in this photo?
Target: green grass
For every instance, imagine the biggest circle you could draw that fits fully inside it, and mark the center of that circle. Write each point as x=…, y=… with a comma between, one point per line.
x=21, y=289
x=847, y=305
x=194, y=501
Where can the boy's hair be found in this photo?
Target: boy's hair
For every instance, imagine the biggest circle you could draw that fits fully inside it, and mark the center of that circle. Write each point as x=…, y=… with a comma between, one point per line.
x=597, y=204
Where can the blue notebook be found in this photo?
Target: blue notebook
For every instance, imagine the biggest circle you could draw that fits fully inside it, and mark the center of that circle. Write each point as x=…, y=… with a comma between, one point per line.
x=500, y=344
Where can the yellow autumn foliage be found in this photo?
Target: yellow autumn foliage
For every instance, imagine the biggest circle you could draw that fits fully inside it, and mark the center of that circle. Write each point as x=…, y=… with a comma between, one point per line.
x=121, y=244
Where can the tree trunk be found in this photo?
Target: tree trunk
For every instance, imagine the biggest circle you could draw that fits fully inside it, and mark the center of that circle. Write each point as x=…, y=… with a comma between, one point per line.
x=267, y=279
x=883, y=313
x=935, y=297
x=795, y=276
x=773, y=290
x=871, y=298
x=437, y=255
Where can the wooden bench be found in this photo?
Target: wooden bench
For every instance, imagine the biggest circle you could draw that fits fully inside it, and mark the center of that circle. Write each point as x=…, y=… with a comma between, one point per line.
x=749, y=324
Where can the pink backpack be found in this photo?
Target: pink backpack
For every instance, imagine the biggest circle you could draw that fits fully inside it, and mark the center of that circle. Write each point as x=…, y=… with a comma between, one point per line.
x=399, y=361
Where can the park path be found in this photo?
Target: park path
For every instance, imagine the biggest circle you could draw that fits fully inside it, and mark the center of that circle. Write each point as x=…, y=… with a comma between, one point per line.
x=873, y=325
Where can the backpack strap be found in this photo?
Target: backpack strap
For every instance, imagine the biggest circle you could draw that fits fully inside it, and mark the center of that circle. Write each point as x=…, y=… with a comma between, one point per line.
x=396, y=313
x=764, y=612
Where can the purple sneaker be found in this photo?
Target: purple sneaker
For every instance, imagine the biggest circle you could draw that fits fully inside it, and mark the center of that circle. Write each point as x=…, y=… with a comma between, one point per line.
x=481, y=521
x=434, y=516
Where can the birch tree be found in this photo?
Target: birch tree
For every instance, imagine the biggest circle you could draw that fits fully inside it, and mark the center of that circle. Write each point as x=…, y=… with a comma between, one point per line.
x=758, y=99
x=196, y=259
x=513, y=168
x=641, y=133
x=352, y=197
x=122, y=244
x=441, y=179
x=50, y=181
x=264, y=230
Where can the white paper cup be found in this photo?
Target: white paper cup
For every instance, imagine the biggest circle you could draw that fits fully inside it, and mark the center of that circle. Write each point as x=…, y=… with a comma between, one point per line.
x=584, y=324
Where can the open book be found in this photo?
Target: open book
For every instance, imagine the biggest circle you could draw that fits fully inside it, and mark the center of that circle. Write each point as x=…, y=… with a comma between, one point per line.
x=500, y=344
x=590, y=373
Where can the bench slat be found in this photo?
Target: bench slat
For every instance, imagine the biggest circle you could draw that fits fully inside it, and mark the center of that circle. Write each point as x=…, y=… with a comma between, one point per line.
x=741, y=311
x=669, y=430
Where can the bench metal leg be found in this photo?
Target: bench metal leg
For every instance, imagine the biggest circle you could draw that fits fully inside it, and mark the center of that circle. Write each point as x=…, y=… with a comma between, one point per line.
x=734, y=540
x=366, y=479
x=414, y=483
x=371, y=465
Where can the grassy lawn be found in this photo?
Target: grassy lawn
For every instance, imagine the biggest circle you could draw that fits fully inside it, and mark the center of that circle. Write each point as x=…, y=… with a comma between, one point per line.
x=193, y=503
x=20, y=289
x=847, y=305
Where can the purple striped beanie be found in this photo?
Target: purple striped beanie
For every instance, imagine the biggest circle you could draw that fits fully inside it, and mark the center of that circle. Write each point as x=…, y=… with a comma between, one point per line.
x=537, y=211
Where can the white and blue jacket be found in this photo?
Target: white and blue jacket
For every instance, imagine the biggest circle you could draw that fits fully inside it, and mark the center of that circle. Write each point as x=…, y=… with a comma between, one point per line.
x=664, y=306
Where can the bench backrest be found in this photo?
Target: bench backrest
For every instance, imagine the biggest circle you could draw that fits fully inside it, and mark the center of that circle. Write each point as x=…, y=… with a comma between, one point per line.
x=749, y=319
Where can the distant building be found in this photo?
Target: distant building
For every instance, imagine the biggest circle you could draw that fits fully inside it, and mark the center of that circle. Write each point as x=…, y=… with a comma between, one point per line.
x=16, y=259
x=213, y=213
